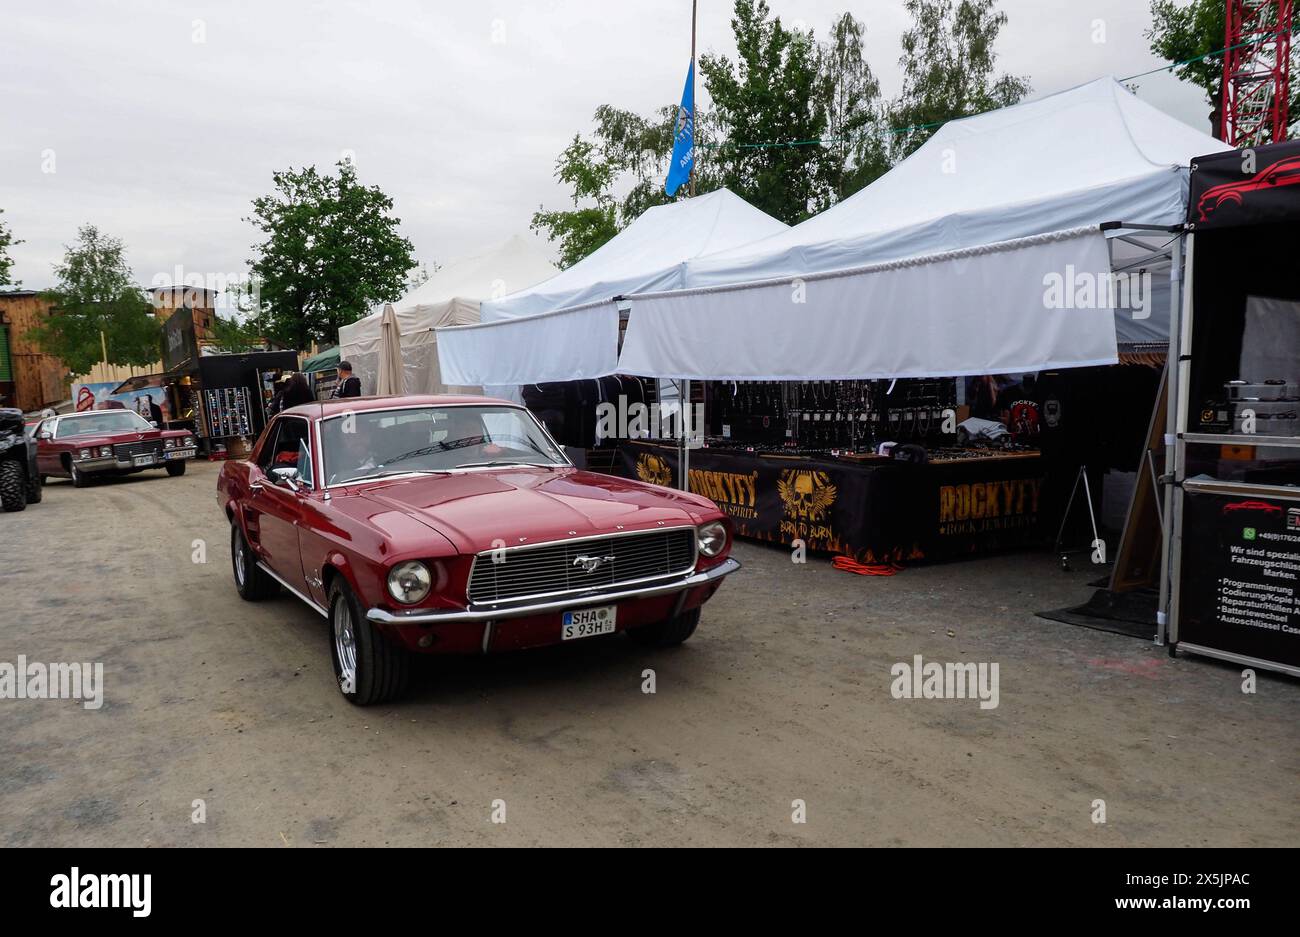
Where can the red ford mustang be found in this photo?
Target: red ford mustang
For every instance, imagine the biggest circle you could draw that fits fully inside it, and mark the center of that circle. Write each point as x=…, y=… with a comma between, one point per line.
x=96, y=443
x=457, y=525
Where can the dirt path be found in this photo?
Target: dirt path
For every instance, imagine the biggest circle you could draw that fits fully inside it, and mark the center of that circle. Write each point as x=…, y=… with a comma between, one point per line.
x=783, y=695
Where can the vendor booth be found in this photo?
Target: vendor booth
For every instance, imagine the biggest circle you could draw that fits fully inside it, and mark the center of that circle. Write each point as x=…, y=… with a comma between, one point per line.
x=221, y=398
x=1236, y=504
x=931, y=340
x=451, y=296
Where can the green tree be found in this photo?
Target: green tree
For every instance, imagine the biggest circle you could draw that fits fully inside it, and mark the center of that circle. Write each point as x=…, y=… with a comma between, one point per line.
x=97, y=307
x=1193, y=35
x=6, y=262
x=949, y=69
x=625, y=152
x=854, y=115
x=332, y=251
x=232, y=335
x=775, y=93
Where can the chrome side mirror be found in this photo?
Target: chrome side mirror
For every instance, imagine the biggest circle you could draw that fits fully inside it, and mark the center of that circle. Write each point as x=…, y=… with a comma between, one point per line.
x=286, y=476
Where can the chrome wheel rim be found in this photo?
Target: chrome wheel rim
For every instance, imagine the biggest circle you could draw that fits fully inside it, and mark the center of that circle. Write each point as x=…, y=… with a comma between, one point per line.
x=345, y=641
x=239, y=559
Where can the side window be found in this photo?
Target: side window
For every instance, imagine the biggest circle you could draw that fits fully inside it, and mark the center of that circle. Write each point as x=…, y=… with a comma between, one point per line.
x=267, y=455
x=289, y=448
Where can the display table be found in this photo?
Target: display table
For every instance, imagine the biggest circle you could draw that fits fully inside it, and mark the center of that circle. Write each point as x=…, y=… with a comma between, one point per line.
x=872, y=510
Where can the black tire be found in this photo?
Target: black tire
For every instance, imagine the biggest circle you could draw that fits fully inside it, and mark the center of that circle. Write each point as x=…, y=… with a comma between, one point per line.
x=36, y=489
x=79, y=479
x=251, y=580
x=379, y=669
x=667, y=633
x=13, y=485
x=176, y=468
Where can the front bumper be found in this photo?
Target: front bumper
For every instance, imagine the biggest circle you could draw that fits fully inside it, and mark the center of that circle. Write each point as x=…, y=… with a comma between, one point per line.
x=576, y=600
x=114, y=464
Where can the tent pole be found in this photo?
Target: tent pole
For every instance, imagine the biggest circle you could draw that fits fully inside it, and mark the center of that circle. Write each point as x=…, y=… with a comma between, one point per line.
x=1171, y=434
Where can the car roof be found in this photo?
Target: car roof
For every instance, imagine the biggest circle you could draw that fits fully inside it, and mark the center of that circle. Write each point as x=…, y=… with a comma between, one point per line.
x=322, y=409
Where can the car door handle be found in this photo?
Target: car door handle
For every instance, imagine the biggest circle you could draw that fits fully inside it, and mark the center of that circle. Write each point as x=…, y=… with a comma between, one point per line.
x=254, y=486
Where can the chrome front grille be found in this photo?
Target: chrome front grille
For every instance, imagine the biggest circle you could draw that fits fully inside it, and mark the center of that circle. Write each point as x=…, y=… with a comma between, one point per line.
x=578, y=565
x=126, y=450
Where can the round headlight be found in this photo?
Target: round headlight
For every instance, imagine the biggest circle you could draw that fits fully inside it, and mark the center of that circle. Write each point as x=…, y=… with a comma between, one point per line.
x=85, y=453
x=106, y=451
x=169, y=444
x=409, y=582
x=189, y=441
x=712, y=538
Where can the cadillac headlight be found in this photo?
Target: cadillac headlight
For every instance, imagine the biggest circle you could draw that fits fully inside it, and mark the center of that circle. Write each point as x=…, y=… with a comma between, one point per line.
x=189, y=442
x=106, y=451
x=169, y=444
x=85, y=453
x=712, y=538
x=409, y=582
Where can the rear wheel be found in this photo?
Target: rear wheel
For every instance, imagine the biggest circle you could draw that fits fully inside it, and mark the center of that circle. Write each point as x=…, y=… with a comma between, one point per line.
x=175, y=468
x=13, y=485
x=369, y=667
x=251, y=580
x=667, y=633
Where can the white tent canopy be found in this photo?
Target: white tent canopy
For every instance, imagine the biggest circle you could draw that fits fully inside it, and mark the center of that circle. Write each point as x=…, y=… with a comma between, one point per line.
x=451, y=296
x=566, y=327
x=942, y=265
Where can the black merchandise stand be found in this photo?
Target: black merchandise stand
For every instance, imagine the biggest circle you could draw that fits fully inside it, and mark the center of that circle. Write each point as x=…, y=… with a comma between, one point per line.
x=232, y=393
x=1236, y=524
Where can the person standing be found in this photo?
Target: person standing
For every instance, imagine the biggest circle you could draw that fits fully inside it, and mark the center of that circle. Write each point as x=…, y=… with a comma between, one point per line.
x=348, y=385
x=296, y=392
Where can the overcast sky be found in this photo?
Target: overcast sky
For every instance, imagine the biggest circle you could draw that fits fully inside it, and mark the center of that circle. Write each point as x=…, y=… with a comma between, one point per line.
x=162, y=121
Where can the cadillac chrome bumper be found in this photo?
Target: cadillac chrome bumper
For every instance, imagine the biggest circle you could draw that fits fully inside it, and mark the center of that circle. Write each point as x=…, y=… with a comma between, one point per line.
x=440, y=617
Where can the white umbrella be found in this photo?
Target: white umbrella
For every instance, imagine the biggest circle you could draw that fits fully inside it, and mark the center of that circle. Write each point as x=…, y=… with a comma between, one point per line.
x=389, y=380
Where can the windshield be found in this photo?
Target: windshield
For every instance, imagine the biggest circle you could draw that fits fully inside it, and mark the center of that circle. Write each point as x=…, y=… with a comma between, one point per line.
x=375, y=443
x=109, y=421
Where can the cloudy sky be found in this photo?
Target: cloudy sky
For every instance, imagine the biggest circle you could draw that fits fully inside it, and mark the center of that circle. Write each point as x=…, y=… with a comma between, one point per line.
x=161, y=121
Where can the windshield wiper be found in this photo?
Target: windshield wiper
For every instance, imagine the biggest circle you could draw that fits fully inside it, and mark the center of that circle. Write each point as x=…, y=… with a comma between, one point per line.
x=493, y=462
x=376, y=475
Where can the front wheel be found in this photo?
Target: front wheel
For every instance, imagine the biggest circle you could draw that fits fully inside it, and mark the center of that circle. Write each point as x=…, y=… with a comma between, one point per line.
x=13, y=485
x=251, y=580
x=669, y=632
x=175, y=468
x=369, y=667
x=35, y=489
x=79, y=478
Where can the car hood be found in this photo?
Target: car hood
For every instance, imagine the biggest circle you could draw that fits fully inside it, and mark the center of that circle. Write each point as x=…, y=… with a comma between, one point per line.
x=482, y=510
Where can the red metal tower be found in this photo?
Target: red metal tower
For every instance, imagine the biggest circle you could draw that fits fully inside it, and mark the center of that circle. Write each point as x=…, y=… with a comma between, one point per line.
x=1257, y=71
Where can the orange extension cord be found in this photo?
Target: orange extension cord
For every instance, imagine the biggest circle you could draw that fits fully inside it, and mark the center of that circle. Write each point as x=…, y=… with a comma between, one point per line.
x=849, y=565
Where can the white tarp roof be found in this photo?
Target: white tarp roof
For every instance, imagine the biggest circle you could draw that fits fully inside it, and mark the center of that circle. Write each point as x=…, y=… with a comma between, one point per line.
x=984, y=187
x=567, y=327
x=645, y=256
x=451, y=296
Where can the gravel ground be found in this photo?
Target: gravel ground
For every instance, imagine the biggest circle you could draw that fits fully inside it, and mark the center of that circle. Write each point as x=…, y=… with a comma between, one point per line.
x=782, y=696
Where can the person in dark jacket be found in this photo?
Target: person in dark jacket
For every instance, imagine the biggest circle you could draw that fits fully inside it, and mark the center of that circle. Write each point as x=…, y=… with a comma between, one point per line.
x=296, y=391
x=348, y=386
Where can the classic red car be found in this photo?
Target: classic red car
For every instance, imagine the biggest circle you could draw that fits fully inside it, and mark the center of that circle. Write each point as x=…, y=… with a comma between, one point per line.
x=1283, y=172
x=96, y=443
x=457, y=525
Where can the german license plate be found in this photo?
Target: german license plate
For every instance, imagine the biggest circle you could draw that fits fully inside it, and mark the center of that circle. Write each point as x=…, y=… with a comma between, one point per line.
x=178, y=454
x=146, y=459
x=588, y=623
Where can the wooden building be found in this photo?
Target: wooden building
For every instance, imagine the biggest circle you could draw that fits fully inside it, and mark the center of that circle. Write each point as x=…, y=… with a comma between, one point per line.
x=29, y=378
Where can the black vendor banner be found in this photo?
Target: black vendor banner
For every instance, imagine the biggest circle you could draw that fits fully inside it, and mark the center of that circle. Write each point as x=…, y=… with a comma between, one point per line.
x=1251, y=186
x=1239, y=578
x=872, y=511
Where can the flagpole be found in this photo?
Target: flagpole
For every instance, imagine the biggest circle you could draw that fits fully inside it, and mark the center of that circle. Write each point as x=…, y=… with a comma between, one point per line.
x=695, y=110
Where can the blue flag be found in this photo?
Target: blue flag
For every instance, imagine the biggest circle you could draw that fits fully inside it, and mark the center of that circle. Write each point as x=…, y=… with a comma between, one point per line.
x=679, y=170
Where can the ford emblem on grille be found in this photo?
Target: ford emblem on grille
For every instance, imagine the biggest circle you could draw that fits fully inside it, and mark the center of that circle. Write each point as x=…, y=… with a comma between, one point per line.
x=590, y=564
